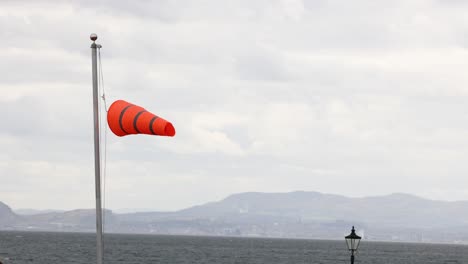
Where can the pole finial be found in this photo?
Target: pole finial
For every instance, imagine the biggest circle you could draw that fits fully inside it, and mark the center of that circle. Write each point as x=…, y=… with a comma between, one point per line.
x=93, y=37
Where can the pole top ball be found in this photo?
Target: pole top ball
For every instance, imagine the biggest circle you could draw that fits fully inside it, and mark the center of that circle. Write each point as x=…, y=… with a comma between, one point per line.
x=93, y=37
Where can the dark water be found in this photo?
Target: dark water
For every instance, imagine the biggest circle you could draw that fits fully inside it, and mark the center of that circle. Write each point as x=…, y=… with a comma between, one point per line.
x=55, y=248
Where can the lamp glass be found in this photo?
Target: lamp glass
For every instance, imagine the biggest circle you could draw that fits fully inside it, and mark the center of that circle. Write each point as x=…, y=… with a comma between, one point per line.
x=353, y=240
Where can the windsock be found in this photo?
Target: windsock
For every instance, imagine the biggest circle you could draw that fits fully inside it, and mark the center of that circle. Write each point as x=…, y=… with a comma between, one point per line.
x=125, y=118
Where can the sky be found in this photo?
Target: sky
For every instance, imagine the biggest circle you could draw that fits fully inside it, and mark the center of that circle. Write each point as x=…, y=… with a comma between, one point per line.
x=358, y=98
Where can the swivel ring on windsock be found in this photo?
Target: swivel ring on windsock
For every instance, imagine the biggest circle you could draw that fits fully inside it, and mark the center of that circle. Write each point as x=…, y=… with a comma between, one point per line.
x=125, y=118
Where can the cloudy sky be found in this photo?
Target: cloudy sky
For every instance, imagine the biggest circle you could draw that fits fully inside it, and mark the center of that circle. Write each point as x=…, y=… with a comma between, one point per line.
x=349, y=97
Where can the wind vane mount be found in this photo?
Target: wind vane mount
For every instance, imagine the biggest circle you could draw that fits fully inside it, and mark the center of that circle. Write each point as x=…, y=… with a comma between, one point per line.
x=123, y=119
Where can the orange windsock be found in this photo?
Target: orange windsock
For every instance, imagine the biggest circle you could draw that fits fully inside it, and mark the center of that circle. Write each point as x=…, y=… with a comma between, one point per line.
x=125, y=118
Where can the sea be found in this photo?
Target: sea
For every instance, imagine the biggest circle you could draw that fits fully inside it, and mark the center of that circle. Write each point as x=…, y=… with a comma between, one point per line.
x=79, y=248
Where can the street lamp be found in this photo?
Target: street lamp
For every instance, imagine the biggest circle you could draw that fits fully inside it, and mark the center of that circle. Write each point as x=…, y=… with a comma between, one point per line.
x=352, y=241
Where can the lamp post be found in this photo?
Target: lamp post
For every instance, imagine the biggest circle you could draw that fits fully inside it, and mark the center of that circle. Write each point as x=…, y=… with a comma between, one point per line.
x=352, y=241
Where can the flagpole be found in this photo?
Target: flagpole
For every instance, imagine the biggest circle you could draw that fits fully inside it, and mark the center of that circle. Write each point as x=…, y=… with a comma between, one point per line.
x=97, y=165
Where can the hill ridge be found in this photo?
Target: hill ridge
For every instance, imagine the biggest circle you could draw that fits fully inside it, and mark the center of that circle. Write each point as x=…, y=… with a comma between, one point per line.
x=301, y=214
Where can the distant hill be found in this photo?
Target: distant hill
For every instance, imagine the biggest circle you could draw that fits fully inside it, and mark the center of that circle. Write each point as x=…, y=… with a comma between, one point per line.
x=399, y=217
x=393, y=210
x=7, y=216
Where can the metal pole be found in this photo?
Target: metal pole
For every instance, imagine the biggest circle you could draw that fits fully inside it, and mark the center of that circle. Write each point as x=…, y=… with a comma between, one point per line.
x=352, y=256
x=97, y=165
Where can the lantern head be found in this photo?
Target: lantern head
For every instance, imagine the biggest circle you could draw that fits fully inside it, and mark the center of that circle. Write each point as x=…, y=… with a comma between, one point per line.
x=352, y=240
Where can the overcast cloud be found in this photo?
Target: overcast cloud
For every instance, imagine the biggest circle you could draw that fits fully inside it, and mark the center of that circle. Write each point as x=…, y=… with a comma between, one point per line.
x=355, y=98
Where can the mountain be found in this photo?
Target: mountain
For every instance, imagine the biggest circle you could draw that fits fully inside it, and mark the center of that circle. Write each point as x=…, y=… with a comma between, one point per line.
x=7, y=216
x=393, y=210
x=395, y=217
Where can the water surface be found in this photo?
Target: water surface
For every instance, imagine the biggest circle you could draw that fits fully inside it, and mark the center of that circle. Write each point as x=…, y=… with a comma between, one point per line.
x=60, y=248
